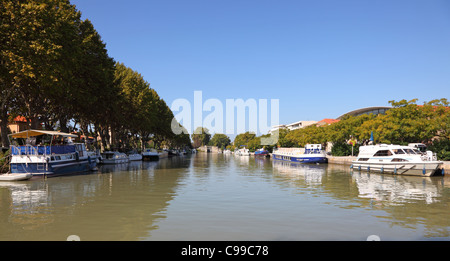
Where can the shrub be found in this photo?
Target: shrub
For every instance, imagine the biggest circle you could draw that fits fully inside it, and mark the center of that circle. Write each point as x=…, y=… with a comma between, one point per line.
x=442, y=148
x=344, y=149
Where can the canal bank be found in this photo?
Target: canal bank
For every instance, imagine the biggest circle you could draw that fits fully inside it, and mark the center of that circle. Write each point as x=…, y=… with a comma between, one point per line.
x=347, y=160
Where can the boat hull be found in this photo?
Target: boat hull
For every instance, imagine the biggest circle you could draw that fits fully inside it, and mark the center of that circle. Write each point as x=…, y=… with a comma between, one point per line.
x=261, y=154
x=54, y=168
x=15, y=177
x=150, y=157
x=410, y=169
x=300, y=159
x=135, y=157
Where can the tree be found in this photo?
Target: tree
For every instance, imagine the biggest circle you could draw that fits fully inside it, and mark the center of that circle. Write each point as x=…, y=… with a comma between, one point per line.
x=37, y=39
x=200, y=137
x=220, y=140
x=308, y=135
x=243, y=139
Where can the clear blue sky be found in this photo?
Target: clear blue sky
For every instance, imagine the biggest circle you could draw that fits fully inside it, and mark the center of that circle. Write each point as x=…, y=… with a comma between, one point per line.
x=320, y=58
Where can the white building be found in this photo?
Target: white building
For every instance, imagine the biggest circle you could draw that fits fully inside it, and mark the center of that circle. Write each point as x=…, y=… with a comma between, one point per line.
x=292, y=126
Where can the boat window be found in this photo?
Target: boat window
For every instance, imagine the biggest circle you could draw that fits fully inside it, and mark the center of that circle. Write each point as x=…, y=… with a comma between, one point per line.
x=363, y=159
x=417, y=151
x=398, y=151
x=381, y=153
x=409, y=151
x=398, y=160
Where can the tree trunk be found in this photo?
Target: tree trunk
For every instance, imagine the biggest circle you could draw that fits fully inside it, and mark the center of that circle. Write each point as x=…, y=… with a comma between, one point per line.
x=34, y=124
x=4, y=128
x=63, y=125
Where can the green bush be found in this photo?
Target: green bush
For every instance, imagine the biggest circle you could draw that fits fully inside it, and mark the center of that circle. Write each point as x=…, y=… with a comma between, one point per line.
x=344, y=149
x=442, y=148
x=4, y=161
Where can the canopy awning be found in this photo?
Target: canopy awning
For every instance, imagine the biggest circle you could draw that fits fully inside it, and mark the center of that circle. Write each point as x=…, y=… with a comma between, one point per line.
x=32, y=133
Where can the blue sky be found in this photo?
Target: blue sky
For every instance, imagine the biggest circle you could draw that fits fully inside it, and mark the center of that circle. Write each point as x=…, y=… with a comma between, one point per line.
x=320, y=58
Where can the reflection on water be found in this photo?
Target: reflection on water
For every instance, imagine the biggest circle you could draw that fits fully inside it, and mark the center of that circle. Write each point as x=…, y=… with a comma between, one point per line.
x=311, y=174
x=395, y=190
x=224, y=197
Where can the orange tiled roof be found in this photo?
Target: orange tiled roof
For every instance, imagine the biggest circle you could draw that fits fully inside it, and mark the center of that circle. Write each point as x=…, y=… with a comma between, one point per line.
x=326, y=122
x=20, y=119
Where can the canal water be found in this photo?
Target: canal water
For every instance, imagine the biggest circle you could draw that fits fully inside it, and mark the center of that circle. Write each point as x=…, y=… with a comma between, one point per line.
x=224, y=197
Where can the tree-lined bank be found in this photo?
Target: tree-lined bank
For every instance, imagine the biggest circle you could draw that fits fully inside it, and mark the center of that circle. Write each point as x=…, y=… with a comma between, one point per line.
x=407, y=122
x=55, y=71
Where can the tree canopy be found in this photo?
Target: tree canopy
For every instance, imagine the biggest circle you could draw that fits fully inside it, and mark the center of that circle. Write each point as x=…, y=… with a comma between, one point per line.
x=200, y=137
x=55, y=70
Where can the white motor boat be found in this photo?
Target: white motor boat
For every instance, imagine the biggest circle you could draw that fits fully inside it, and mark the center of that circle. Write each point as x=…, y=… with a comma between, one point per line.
x=15, y=176
x=242, y=152
x=150, y=154
x=135, y=156
x=396, y=159
x=114, y=157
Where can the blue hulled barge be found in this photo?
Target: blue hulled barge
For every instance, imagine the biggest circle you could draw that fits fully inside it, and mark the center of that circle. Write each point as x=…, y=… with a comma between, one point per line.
x=49, y=160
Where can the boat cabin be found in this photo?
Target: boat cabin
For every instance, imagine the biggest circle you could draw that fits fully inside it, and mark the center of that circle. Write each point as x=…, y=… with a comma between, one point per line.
x=392, y=153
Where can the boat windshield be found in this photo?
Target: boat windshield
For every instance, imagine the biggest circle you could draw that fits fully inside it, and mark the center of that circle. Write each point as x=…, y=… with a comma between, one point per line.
x=410, y=151
x=417, y=151
x=398, y=151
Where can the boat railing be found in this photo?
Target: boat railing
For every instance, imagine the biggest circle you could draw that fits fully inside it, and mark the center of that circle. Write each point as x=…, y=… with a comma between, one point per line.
x=41, y=149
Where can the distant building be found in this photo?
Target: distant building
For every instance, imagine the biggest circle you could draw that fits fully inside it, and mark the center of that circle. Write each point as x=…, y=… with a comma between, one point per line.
x=292, y=126
x=18, y=124
x=326, y=122
x=368, y=110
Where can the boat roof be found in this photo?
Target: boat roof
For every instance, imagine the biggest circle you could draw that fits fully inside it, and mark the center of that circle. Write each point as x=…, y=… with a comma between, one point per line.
x=33, y=133
x=384, y=146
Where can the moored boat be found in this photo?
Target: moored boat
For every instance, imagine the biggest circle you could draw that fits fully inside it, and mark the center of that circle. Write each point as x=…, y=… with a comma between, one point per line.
x=61, y=157
x=312, y=153
x=15, y=176
x=227, y=152
x=242, y=152
x=163, y=154
x=114, y=157
x=150, y=154
x=134, y=156
x=396, y=159
x=261, y=153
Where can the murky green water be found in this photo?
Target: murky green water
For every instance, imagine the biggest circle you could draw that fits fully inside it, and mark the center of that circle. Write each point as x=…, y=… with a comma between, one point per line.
x=223, y=197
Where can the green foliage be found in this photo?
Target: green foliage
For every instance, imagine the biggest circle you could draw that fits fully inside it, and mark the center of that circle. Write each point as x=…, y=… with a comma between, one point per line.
x=220, y=140
x=4, y=166
x=243, y=139
x=200, y=137
x=441, y=148
x=55, y=68
x=308, y=135
x=344, y=149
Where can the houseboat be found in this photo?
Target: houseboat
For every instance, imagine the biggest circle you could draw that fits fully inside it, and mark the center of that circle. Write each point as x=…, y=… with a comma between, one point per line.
x=397, y=159
x=60, y=157
x=114, y=157
x=312, y=153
